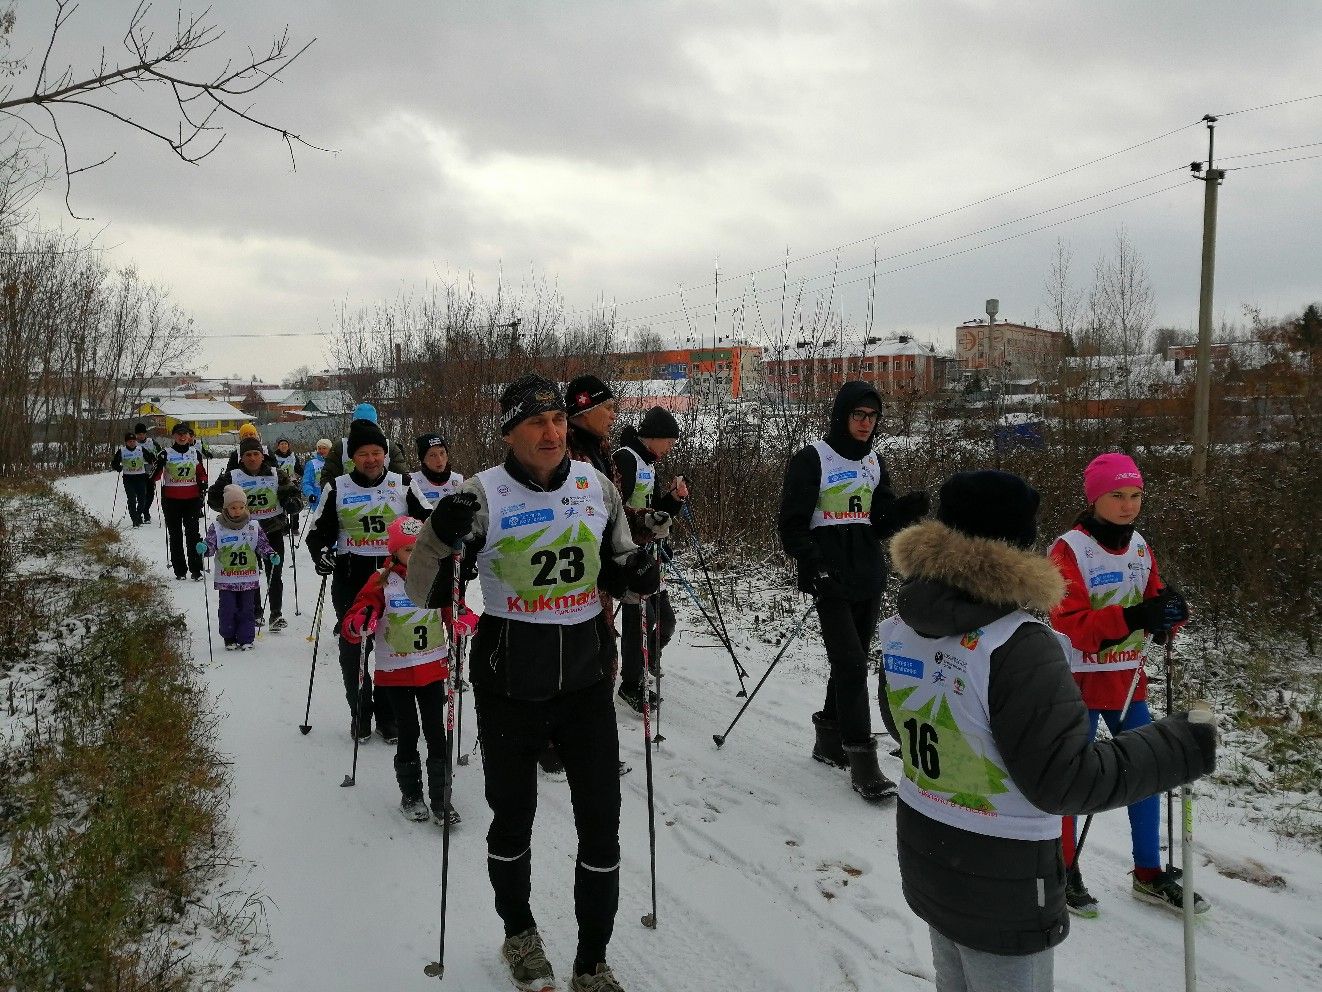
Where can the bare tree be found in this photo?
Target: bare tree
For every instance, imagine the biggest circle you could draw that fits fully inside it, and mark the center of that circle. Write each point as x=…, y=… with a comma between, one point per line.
x=197, y=107
x=1064, y=299
x=1125, y=297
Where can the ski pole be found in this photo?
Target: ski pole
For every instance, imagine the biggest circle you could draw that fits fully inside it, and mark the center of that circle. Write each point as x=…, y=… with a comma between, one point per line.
x=655, y=619
x=206, y=600
x=352, y=777
x=115, y=501
x=649, y=919
x=437, y=968
x=720, y=738
x=305, y=727
x=1170, y=798
x=1124, y=711
x=740, y=672
x=711, y=589
x=293, y=554
x=1199, y=712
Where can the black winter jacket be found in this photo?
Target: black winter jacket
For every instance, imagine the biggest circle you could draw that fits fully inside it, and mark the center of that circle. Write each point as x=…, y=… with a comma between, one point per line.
x=626, y=479
x=989, y=893
x=289, y=494
x=852, y=555
x=524, y=660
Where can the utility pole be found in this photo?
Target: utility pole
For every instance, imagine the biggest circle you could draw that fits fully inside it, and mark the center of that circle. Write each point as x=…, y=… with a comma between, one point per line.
x=1203, y=377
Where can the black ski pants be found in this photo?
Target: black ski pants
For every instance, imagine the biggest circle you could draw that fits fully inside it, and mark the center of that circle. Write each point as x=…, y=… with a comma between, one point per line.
x=420, y=708
x=275, y=582
x=137, y=493
x=351, y=572
x=660, y=615
x=847, y=629
x=582, y=727
x=183, y=520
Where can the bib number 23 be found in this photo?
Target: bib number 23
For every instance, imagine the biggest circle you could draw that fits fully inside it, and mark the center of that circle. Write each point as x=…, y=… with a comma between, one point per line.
x=546, y=560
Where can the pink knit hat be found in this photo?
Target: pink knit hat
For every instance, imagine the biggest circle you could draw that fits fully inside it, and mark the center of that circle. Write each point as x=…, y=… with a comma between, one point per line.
x=402, y=533
x=1110, y=471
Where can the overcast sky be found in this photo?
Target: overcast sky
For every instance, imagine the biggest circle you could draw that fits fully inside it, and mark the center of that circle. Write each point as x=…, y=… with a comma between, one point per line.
x=620, y=148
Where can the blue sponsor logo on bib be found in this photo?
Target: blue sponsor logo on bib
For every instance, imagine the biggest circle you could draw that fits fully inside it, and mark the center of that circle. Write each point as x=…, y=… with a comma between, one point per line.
x=360, y=498
x=403, y=603
x=841, y=476
x=898, y=664
x=541, y=516
x=1105, y=579
x=229, y=539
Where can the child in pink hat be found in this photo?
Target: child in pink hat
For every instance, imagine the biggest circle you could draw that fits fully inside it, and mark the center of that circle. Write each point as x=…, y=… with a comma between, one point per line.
x=1115, y=607
x=412, y=671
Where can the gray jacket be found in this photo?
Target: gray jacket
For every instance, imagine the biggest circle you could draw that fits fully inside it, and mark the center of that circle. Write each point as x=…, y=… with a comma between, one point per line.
x=989, y=893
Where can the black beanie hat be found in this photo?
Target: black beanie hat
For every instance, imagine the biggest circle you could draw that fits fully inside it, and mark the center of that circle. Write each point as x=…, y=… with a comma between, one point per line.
x=996, y=505
x=658, y=423
x=527, y=396
x=584, y=392
x=139, y=428
x=426, y=442
x=249, y=444
x=130, y=436
x=183, y=427
x=363, y=432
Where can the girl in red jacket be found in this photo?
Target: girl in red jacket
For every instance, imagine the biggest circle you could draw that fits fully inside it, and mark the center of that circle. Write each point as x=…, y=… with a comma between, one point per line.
x=412, y=669
x=1115, y=608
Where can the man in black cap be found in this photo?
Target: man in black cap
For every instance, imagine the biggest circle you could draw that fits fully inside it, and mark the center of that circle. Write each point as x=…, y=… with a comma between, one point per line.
x=996, y=738
x=135, y=465
x=835, y=510
x=592, y=412
x=272, y=498
x=347, y=540
x=182, y=472
x=649, y=510
x=434, y=479
x=544, y=532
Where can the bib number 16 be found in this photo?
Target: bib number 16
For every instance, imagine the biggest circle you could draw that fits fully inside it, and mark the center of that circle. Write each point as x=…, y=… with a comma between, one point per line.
x=923, y=754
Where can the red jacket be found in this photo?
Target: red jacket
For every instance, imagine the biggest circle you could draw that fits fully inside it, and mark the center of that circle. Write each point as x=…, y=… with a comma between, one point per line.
x=373, y=596
x=1087, y=628
x=198, y=489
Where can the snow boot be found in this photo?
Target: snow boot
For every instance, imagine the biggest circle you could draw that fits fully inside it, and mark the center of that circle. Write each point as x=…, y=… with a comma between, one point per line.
x=865, y=774
x=231, y=646
x=1078, y=900
x=525, y=957
x=828, y=749
x=1166, y=891
x=632, y=696
x=601, y=980
x=278, y=623
x=363, y=737
x=414, y=808
x=408, y=774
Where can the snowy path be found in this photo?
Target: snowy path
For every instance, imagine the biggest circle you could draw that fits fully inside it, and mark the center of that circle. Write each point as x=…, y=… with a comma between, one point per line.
x=772, y=875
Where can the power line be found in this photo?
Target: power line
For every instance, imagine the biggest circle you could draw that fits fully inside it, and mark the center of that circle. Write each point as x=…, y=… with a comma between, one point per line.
x=1270, y=151
x=1268, y=106
x=931, y=217
x=1282, y=161
x=769, y=294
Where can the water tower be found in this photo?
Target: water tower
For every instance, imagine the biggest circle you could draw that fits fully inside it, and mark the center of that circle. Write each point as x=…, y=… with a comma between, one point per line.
x=993, y=307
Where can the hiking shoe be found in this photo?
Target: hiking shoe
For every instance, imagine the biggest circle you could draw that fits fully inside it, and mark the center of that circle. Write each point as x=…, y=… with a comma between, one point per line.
x=231, y=646
x=259, y=620
x=601, y=980
x=362, y=738
x=525, y=957
x=441, y=815
x=1078, y=900
x=388, y=733
x=633, y=698
x=246, y=647
x=414, y=809
x=1165, y=890
x=278, y=623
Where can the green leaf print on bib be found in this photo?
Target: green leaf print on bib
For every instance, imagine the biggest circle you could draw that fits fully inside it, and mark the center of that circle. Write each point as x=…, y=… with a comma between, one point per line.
x=938, y=757
x=565, y=566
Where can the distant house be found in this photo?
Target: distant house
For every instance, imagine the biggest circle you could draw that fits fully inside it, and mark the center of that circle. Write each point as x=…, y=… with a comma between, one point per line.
x=326, y=402
x=643, y=394
x=208, y=418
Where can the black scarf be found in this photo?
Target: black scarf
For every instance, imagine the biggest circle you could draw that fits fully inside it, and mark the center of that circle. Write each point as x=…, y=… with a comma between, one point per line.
x=1113, y=537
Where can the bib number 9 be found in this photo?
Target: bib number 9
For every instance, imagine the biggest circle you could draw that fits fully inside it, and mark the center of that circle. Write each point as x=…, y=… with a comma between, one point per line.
x=546, y=560
x=923, y=754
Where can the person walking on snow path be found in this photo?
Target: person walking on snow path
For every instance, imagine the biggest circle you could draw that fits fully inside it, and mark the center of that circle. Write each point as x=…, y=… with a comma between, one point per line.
x=249, y=432
x=541, y=662
x=996, y=739
x=135, y=465
x=312, y=472
x=182, y=473
x=412, y=668
x=239, y=543
x=290, y=467
x=272, y=500
x=836, y=510
x=649, y=511
x=1114, y=603
x=434, y=480
x=340, y=460
x=347, y=539
x=153, y=446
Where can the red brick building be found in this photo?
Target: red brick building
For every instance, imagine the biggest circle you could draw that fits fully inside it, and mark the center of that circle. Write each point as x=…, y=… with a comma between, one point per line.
x=896, y=366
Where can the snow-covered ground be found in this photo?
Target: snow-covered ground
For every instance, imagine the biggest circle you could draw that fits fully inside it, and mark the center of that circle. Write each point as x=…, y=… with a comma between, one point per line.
x=772, y=874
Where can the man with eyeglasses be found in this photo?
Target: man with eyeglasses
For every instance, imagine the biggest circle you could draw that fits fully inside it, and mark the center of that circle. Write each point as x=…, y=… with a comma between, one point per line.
x=836, y=511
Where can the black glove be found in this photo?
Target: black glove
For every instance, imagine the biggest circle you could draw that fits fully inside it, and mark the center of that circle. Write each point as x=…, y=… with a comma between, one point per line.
x=453, y=517
x=824, y=586
x=1158, y=614
x=1174, y=609
x=292, y=506
x=1205, y=735
x=893, y=516
x=324, y=563
x=644, y=573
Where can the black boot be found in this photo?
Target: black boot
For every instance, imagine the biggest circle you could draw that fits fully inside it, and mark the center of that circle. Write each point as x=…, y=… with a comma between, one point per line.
x=865, y=774
x=440, y=789
x=828, y=749
x=408, y=773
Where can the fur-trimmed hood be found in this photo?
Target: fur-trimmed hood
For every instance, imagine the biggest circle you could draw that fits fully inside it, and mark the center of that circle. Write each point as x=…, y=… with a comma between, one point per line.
x=957, y=583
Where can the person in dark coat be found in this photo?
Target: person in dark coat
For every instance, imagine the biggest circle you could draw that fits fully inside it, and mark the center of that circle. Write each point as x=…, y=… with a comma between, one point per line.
x=996, y=738
x=181, y=469
x=649, y=509
x=836, y=509
x=340, y=460
x=135, y=465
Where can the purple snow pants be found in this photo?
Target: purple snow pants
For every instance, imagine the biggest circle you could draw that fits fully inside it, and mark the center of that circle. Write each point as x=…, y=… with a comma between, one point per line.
x=238, y=615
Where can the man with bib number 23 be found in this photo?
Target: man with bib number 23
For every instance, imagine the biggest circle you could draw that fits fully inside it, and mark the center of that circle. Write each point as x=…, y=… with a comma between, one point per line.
x=545, y=532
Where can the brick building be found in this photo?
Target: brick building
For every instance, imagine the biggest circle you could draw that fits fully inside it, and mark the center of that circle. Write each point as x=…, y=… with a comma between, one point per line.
x=713, y=374
x=896, y=366
x=1016, y=349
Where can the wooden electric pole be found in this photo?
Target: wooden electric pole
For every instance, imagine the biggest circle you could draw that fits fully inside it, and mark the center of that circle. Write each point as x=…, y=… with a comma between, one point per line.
x=1203, y=377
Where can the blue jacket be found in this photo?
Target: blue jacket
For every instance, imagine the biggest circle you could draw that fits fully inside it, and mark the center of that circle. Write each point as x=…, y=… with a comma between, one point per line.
x=311, y=481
